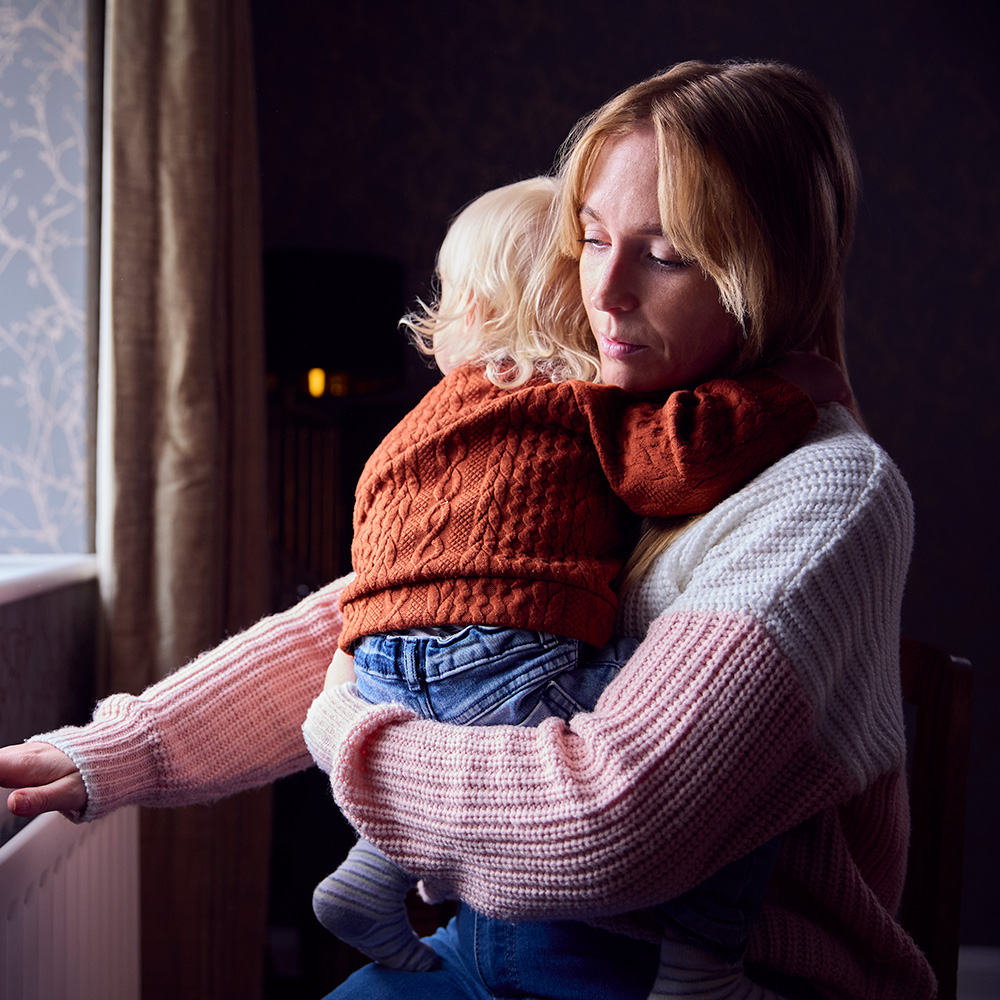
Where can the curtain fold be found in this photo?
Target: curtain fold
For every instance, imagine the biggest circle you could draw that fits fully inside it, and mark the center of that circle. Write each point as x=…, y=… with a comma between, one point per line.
x=182, y=535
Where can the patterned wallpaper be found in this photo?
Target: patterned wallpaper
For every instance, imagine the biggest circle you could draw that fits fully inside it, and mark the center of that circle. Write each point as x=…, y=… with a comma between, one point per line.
x=43, y=262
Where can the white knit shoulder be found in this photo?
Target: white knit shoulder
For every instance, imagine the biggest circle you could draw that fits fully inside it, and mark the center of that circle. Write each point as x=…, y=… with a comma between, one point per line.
x=815, y=549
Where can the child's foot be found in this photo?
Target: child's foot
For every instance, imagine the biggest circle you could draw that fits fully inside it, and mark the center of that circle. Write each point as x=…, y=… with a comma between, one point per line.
x=363, y=903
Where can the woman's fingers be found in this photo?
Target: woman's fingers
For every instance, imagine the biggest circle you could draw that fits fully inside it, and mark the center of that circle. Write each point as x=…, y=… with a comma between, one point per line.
x=66, y=794
x=43, y=779
x=33, y=764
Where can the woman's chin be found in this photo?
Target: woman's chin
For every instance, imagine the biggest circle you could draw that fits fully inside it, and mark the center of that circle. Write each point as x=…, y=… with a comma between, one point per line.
x=634, y=373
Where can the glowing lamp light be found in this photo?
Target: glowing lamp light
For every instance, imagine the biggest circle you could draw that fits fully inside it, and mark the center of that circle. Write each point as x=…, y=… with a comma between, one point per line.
x=317, y=382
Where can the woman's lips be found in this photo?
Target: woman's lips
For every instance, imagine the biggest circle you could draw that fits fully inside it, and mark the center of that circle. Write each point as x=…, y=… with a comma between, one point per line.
x=617, y=349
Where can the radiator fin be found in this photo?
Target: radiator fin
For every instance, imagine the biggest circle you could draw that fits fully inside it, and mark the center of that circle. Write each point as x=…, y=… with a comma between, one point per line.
x=69, y=910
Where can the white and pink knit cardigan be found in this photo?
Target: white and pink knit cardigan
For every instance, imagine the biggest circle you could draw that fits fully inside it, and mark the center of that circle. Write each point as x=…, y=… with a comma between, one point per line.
x=764, y=698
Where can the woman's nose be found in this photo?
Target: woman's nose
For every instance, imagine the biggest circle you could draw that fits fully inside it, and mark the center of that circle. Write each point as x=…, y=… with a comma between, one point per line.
x=614, y=289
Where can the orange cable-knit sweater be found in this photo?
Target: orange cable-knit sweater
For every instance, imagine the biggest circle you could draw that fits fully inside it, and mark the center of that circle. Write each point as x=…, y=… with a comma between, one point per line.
x=516, y=507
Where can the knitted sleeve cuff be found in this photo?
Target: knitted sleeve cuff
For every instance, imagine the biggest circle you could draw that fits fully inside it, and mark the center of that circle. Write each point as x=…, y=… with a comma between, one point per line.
x=120, y=747
x=339, y=723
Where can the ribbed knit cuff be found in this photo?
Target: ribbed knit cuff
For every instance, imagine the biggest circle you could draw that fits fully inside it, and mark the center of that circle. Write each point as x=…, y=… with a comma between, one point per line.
x=339, y=722
x=118, y=757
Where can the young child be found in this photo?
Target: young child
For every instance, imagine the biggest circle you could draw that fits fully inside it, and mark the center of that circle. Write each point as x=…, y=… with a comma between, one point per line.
x=491, y=523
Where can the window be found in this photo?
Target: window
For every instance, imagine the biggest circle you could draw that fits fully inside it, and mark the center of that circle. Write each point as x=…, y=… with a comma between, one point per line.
x=45, y=449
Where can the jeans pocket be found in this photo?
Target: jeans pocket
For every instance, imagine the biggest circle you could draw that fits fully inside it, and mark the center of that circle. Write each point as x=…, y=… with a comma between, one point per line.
x=495, y=676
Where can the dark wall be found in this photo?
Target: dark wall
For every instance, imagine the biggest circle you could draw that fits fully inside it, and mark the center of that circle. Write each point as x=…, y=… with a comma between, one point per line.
x=380, y=120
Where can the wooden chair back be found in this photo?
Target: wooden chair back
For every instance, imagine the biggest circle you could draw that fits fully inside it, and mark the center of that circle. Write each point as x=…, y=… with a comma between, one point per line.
x=939, y=688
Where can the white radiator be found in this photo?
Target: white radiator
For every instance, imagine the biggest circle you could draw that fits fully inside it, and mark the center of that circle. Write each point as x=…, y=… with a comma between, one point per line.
x=69, y=910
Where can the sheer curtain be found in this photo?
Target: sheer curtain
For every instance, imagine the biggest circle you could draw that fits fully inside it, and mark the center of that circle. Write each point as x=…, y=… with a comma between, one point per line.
x=182, y=521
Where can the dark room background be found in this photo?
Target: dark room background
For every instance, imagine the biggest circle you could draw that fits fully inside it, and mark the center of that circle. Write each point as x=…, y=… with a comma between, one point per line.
x=378, y=121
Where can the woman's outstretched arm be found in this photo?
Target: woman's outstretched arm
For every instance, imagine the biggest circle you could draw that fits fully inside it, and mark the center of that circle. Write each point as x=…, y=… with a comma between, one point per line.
x=228, y=721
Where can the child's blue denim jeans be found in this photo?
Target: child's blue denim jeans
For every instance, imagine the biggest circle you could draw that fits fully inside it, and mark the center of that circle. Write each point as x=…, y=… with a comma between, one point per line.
x=484, y=675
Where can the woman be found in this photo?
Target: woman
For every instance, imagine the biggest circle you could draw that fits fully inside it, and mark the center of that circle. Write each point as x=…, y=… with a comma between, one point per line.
x=710, y=210
x=764, y=700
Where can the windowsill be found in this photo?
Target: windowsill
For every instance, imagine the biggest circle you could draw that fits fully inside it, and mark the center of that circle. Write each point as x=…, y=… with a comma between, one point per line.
x=28, y=575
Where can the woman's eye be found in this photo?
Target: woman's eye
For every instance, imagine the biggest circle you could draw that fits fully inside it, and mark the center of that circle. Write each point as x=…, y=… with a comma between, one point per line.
x=592, y=241
x=667, y=262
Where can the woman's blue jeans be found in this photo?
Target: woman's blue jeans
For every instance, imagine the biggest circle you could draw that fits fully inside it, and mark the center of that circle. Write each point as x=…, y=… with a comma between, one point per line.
x=484, y=959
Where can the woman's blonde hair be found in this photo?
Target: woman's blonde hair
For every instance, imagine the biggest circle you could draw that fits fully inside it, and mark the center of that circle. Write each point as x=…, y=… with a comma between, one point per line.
x=493, y=309
x=758, y=185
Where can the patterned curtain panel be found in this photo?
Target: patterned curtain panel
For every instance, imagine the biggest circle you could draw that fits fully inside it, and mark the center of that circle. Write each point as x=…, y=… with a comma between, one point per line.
x=181, y=489
x=44, y=451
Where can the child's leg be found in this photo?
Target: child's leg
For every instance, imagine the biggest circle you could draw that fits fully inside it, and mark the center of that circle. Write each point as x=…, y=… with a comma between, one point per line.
x=471, y=676
x=364, y=903
x=708, y=929
x=687, y=970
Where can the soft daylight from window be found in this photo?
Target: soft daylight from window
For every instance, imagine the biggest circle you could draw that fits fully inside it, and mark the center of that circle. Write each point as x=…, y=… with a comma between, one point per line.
x=44, y=450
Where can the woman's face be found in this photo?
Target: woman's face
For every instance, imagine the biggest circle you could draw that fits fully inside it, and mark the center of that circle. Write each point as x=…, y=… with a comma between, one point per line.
x=658, y=319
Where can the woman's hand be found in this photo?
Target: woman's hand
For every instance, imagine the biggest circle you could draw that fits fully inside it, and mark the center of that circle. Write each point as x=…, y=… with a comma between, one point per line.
x=43, y=779
x=340, y=671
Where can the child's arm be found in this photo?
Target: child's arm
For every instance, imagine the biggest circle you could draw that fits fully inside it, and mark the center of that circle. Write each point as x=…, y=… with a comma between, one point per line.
x=687, y=454
x=821, y=379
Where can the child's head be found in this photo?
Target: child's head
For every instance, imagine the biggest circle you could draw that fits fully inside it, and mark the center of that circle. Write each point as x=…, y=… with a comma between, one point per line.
x=498, y=305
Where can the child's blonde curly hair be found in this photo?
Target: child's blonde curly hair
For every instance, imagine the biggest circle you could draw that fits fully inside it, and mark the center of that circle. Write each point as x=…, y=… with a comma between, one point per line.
x=506, y=301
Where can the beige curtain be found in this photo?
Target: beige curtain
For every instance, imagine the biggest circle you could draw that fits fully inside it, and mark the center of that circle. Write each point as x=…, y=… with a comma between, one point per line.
x=182, y=529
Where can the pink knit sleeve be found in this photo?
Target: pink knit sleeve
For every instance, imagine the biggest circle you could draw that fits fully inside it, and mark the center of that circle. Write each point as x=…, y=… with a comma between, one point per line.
x=615, y=810
x=228, y=721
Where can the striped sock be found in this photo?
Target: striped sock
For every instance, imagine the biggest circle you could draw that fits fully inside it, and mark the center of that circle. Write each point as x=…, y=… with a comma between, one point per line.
x=688, y=971
x=363, y=903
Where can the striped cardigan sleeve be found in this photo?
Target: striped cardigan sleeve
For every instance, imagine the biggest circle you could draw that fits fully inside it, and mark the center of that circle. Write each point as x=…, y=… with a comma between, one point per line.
x=615, y=810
